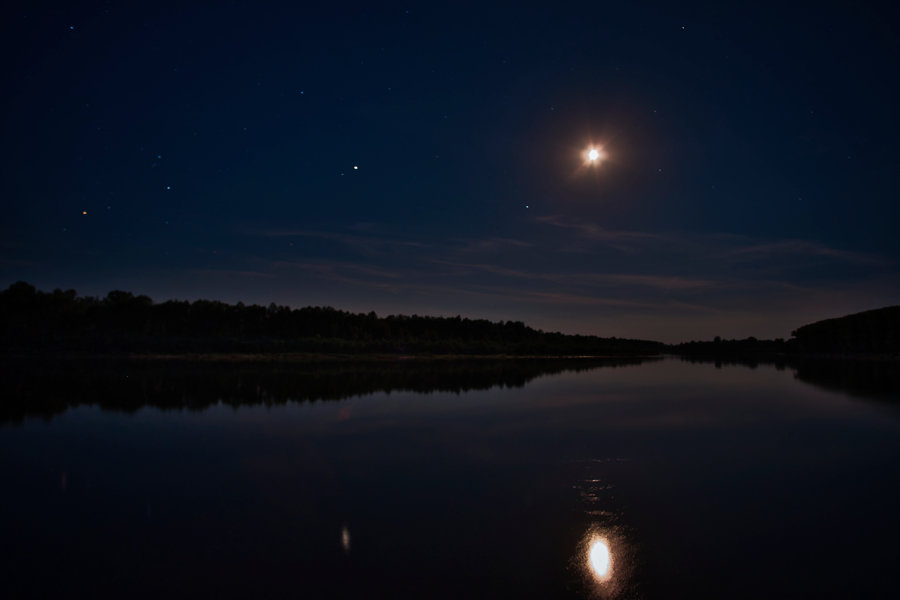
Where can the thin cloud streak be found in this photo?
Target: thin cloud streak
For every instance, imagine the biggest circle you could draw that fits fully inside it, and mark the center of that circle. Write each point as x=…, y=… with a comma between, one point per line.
x=776, y=250
x=650, y=281
x=231, y=273
x=332, y=267
x=590, y=230
x=624, y=241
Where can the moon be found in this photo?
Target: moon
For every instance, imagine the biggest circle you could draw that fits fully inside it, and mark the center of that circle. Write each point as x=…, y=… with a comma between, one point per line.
x=595, y=156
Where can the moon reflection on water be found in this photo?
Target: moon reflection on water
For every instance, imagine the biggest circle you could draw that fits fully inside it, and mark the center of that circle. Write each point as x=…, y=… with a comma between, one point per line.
x=604, y=560
x=600, y=559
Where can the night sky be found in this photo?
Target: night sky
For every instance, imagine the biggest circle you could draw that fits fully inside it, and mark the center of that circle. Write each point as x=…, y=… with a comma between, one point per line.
x=429, y=159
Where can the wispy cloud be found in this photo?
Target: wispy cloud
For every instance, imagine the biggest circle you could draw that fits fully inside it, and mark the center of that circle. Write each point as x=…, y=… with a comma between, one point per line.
x=493, y=244
x=715, y=248
x=336, y=268
x=232, y=273
x=584, y=277
x=787, y=248
x=625, y=241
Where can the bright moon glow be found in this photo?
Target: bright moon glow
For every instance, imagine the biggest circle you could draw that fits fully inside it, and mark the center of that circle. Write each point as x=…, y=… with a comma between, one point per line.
x=595, y=156
x=599, y=557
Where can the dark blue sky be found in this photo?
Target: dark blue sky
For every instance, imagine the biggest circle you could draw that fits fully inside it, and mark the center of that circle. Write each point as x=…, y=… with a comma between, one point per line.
x=751, y=184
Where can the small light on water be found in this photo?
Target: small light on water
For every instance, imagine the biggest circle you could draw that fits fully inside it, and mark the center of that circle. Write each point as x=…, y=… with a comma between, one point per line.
x=345, y=539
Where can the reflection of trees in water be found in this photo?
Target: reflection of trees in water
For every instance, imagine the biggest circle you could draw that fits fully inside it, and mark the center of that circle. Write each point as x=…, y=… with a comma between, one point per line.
x=879, y=379
x=35, y=388
x=873, y=379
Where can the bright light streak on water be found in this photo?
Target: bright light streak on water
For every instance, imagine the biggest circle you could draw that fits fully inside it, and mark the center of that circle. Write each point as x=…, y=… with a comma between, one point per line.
x=600, y=559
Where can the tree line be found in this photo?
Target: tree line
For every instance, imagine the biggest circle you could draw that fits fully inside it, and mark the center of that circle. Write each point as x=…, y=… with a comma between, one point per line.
x=865, y=333
x=31, y=319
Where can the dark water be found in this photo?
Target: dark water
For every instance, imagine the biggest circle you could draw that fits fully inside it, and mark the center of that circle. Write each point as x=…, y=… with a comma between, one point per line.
x=471, y=480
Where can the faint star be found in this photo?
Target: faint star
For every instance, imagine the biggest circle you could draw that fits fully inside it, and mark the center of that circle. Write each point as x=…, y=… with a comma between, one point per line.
x=168, y=187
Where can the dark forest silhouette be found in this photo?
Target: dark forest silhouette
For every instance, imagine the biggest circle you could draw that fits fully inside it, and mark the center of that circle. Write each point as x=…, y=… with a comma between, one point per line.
x=873, y=332
x=32, y=320
x=36, y=321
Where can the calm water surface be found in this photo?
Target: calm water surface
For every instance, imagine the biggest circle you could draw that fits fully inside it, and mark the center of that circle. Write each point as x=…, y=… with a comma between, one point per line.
x=696, y=481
